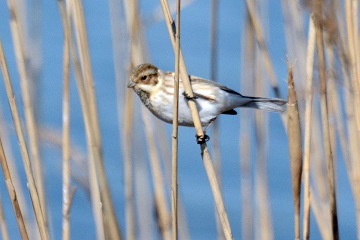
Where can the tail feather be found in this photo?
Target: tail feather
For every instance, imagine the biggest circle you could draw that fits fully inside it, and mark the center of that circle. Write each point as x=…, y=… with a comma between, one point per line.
x=268, y=104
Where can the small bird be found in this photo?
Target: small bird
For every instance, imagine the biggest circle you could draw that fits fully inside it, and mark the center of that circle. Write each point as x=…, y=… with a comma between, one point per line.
x=156, y=91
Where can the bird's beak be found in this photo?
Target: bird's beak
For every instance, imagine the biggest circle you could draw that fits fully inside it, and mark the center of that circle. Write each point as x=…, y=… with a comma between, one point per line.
x=131, y=84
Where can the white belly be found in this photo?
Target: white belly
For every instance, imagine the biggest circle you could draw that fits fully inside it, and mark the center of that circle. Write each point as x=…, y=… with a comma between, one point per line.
x=164, y=110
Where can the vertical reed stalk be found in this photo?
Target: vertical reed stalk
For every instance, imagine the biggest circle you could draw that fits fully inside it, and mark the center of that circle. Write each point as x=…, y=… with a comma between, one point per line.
x=5, y=138
x=23, y=149
x=183, y=72
x=84, y=56
x=308, y=127
x=319, y=209
x=160, y=199
x=247, y=79
x=3, y=227
x=213, y=76
x=325, y=122
x=196, y=119
x=30, y=119
x=263, y=48
x=66, y=144
x=295, y=149
x=94, y=185
x=124, y=99
x=265, y=227
x=216, y=192
x=183, y=229
x=12, y=193
x=128, y=166
x=137, y=56
x=351, y=12
x=174, y=179
x=295, y=42
x=90, y=111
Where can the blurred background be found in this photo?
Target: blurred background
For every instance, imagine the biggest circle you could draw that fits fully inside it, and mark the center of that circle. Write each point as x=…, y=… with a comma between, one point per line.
x=254, y=170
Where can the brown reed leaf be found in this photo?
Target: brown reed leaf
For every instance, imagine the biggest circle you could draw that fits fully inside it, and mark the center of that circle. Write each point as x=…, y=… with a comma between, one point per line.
x=295, y=147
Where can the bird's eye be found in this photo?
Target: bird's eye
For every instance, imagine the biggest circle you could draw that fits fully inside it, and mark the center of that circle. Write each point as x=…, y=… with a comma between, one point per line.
x=143, y=78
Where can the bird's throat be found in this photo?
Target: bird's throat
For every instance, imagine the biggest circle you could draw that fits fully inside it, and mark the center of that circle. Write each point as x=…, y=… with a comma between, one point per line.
x=144, y=97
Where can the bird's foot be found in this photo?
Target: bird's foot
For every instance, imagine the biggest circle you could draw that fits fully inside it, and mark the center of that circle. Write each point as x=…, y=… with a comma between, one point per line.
x=187, y=96
x=202, y=139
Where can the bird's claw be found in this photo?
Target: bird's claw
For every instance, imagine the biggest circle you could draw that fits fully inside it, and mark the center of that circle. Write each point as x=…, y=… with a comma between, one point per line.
x=187, y=96
x=202, y=139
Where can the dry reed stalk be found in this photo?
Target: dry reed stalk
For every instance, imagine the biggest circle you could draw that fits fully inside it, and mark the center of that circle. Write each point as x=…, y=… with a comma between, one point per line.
x=247, y=218
x=318, y=168
x=90, y=111
x=332, y=97
x=183, y=72
x=295, y=42
x=320, y=212
x=84, y=57
x=144, y=197
x=353, y=150
x=137, y=54
x=5, y=138
x=133, y=25
x=216, y=192
x=246, y=118
x=335, y=109
x=351, y=11
x=308, y=127
x=31, y=125
x=295, y=148
x=67, y=198
x=318, y=165
x=160, y=198
x=263, y=48
x=12, y=194
x=196, y=119
x=344, y=141
x=175, y=140
x=128, y=165
x=23, y=149
x=124, y=106
x=259, y=35
x=213, y=76
x=261, y=135
x=351, y=14
x=325, y=121
x=183, y=228
x=3, y=227
x=94, y=185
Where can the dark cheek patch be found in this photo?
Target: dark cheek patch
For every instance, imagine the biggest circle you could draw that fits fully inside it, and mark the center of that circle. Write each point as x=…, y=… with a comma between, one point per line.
x=152, y=79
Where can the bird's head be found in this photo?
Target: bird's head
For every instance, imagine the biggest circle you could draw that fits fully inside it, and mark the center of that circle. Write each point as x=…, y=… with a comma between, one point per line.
x=144, y=77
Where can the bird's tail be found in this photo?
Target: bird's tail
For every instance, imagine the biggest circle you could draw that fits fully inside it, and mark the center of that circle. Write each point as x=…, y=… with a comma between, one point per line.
x=268, y=104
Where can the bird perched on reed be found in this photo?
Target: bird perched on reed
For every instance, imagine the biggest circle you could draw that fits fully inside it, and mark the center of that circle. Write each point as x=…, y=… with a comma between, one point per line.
x=156, y=91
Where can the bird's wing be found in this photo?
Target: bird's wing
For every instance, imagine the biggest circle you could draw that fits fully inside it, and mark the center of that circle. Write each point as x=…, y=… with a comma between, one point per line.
x=201, y=81
x=205, y=89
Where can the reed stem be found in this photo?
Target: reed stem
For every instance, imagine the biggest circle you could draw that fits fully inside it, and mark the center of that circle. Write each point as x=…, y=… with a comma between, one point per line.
x=200, y=134
x=325, y=122
x=23, y=149
x=175, y=139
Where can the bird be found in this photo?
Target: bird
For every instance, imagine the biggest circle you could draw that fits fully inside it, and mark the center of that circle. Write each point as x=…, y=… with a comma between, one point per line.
x=155, y=89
